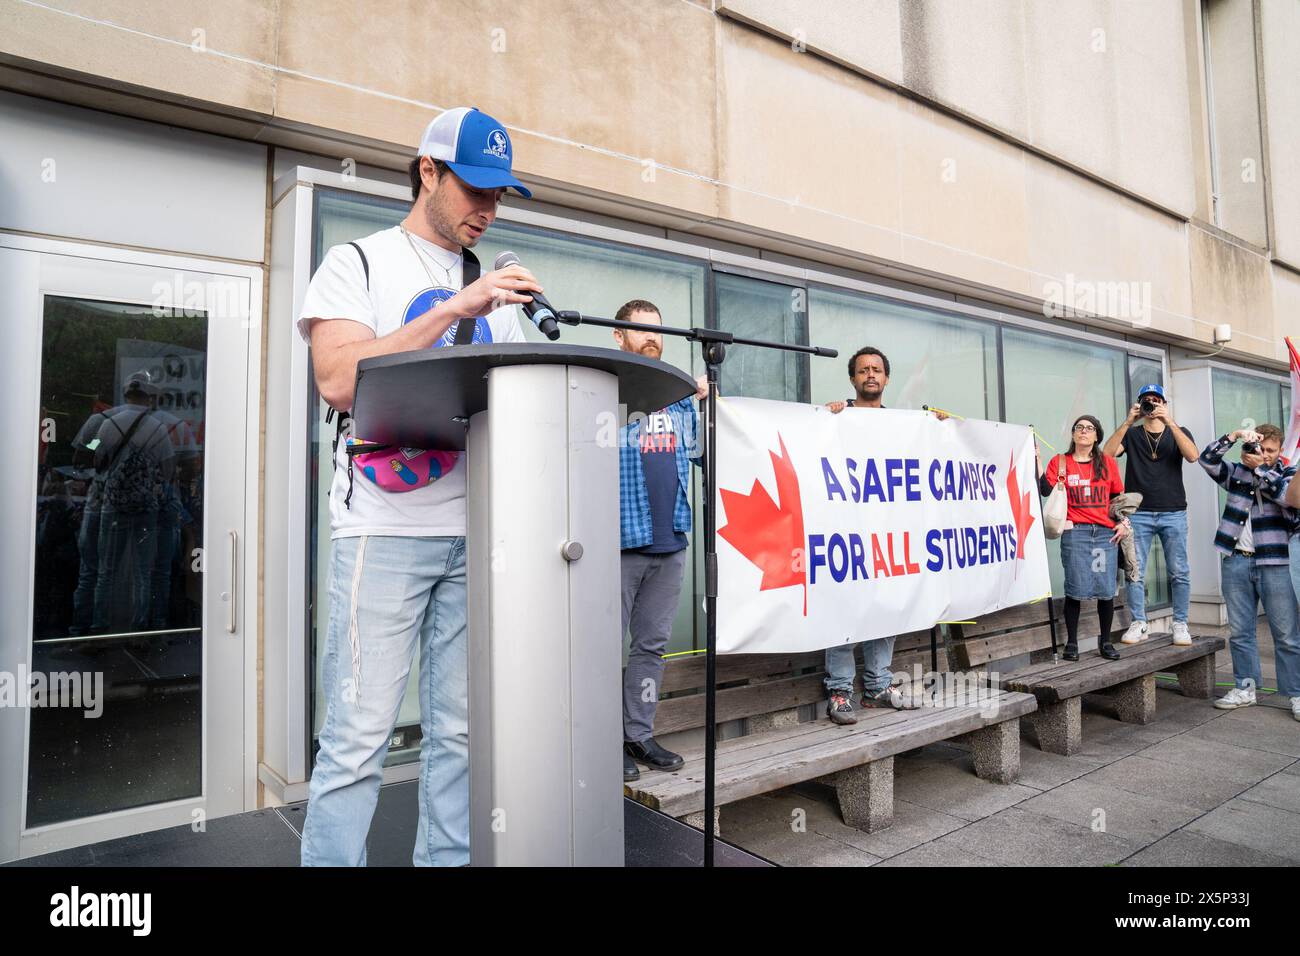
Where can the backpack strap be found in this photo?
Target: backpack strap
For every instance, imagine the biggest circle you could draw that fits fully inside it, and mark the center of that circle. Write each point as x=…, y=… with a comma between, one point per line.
x=126, y=438
x=365, y=263
x=470, y=270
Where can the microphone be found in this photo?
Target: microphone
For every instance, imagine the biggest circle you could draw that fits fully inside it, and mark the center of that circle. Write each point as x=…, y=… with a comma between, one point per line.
x=539, y=310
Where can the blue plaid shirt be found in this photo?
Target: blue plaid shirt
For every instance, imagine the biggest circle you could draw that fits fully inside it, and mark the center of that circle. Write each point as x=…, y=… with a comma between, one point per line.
x=634, y=522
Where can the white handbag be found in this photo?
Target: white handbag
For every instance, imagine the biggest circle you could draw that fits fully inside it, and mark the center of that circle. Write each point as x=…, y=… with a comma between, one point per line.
x=1054, y=511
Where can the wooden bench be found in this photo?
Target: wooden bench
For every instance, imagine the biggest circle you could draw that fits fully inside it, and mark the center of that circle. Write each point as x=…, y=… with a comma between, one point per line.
x=778, y=750
x=1129, y=683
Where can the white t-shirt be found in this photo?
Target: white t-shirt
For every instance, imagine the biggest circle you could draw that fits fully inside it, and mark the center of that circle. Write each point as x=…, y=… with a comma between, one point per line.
x=399, y=291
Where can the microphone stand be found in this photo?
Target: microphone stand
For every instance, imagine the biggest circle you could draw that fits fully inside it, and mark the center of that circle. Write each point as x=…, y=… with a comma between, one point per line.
x=713, y=349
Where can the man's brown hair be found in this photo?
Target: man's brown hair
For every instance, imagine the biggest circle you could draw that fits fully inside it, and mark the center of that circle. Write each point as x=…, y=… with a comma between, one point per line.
x=1267, y=432
x=413, y=170
x=636, y=305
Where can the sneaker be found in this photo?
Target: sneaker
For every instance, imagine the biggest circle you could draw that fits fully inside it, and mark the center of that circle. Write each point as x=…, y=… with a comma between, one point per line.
x=899, y=698
x=839, y=707
x=1137, y=633
x=1237, y=697
x=1182, y=636
x=1295, y=707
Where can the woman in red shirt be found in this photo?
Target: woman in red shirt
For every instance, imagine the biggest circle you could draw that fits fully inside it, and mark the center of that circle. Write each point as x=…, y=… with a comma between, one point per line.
x=1088, y=551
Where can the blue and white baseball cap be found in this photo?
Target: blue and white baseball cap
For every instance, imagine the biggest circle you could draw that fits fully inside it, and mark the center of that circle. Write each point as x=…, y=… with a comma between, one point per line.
x=475, y=146
x=1151, y=390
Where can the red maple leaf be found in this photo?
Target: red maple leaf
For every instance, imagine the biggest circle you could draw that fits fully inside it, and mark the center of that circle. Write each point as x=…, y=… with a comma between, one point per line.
x=769, y=535
x=1020, y=509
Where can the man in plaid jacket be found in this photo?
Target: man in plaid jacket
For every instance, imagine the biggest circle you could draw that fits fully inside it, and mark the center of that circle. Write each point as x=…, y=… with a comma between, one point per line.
x=1253, y=538
x=655, y=455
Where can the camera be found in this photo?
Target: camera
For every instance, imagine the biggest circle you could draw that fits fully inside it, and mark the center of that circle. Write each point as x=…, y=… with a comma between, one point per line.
x=1148, y=405
x=1250, y=448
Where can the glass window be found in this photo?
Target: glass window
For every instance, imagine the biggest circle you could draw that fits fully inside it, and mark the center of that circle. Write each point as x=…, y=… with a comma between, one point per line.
x=1142, y=372
x=1049, y=382
x=934, y=359
x=1244, y=401
x=769, y=312
x=118, y=586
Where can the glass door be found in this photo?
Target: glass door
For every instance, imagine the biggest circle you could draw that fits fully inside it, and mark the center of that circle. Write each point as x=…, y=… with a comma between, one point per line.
x=121, y=546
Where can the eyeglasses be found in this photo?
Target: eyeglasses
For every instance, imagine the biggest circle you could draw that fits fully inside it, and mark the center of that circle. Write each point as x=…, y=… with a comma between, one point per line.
x=1084, y=427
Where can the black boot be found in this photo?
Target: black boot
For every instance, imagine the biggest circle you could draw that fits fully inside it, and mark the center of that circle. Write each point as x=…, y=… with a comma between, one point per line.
x=652, y=755
x=1107, y=650
x=630, y=772
x=1071, y=652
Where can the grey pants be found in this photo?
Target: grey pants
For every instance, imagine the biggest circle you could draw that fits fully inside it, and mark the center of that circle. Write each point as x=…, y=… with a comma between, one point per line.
x=652, y=583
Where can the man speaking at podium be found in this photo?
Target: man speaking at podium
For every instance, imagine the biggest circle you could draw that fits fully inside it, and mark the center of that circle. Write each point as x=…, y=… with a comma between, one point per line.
x=397, y=568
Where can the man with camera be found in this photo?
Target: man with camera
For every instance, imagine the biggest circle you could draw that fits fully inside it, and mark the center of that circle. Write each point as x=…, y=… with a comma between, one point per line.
x=1154, y=455
x=1253, y=537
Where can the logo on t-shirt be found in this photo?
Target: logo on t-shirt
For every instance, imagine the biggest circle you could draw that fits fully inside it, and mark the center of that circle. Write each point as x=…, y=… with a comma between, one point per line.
x=658, y=434
x=422, y=302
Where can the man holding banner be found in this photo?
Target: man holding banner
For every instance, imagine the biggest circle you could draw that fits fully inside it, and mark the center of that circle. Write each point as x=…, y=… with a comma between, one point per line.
x=869, y=374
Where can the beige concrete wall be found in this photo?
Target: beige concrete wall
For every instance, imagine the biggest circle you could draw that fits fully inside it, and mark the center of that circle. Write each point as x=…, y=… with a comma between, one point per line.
x=1099, y=84
x=667, y=114
x=1235, y=115
x=1281, y=56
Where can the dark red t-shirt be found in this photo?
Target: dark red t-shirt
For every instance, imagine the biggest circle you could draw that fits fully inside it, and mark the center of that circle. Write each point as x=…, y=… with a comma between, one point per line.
x=1088, y=497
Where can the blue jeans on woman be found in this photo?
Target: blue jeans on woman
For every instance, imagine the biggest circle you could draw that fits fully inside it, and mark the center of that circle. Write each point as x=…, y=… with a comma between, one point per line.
x=1245, y=585
x=389, y=595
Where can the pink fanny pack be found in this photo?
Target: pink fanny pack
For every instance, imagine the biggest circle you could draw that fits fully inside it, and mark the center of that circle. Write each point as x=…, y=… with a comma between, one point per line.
x=396, y=469
x=399, y=469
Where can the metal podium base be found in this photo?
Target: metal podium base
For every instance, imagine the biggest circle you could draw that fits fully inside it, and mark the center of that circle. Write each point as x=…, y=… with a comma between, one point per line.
x=545, y=681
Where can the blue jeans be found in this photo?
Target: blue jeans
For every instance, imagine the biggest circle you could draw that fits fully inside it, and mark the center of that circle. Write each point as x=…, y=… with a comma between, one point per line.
x=876, y=655
x=1171, y=526
x=387, y=595
x=1245, y=584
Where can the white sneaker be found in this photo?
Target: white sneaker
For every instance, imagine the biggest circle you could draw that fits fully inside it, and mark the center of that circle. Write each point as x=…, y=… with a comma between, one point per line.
x=1237, y=697
x=1136, y=633
x=1295, y=707
x=1182, y=636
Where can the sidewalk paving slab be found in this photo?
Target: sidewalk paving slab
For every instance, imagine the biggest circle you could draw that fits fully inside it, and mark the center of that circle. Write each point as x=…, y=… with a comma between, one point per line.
x=1281, y=790
x=957, y=792
x=1190, y=848
x=1214, y=758
x=1138, y=818
x=1255, y=728
x=1260, y=827
x=1016, y=837
x=1173, y=782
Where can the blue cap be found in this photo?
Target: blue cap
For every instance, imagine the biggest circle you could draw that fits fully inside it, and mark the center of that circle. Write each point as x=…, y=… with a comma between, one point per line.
x=1151, y=390
x=474, y=146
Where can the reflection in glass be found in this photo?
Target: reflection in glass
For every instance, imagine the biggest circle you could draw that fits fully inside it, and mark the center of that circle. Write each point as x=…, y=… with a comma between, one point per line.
x=119, y=532
x=1049, y=382
x=769, y=312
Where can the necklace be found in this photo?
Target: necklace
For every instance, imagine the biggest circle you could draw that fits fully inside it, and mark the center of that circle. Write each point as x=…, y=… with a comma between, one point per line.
x=1154, y=449
x=424, y=260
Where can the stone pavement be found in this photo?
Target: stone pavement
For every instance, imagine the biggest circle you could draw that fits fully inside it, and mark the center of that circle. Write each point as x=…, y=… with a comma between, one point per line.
x=1196, y=787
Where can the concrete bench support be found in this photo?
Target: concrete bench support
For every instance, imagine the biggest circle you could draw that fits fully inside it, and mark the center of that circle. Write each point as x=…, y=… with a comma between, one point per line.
x=1059, y=727
x=865, y=794
x=996, y=749
x=1196, y=678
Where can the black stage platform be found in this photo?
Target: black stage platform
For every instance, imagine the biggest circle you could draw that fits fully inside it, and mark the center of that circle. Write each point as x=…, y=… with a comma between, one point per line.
x=272, y=838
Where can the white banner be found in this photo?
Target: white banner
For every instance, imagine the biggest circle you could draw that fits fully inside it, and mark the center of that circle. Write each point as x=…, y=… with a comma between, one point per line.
x=834, y=529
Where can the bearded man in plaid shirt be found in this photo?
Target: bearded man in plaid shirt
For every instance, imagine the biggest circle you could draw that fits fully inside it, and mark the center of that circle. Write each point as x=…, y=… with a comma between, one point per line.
x=655, y=455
